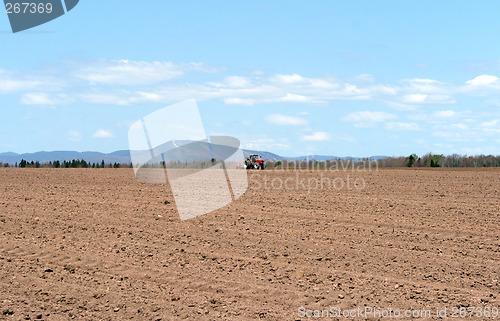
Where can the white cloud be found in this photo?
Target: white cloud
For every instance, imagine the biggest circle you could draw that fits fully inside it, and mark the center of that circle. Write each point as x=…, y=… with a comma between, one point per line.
x=402, y=126
x=10, y=85
x=125, y=72
x=401, y=106
x=265, y=144
x=102, y=133
x=149, y=96
x=351, y=89
x=290, y=79
x=384, y=90
x=239, y=101
x=277, y=119
x=479, y=134
x=293, y=98
x=428, y=99
x=122, y=82
x=318, y=83
x=37, y=99
x=237, y=81
x=363, y=119
x=426, y=86
x=427, y=91
x=73, y=136
x=14, y=82
x=316, y=137
x=492, y=123
x=415, y=98
x=482, y=85
x=44, y=99
x=483, y=80
x=292, y=88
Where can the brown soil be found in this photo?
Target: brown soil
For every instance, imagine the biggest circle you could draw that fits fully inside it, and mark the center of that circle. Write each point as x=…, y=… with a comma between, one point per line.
x=99, y=245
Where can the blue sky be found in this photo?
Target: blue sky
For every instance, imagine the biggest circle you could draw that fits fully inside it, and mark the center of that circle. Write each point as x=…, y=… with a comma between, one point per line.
x=346, y=78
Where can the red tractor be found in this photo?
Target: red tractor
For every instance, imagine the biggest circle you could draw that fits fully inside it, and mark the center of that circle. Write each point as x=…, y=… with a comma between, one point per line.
x=254, y=161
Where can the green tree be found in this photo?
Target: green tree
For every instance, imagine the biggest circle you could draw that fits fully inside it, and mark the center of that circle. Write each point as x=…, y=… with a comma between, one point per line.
x=410, y=161
x=436, y=160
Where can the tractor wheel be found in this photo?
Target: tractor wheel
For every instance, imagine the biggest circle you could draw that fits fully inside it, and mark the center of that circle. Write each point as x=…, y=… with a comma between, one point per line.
x=263, y=165
x=256, y=166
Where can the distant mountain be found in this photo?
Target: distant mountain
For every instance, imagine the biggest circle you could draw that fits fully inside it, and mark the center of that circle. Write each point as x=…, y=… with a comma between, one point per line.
x=264, y=155
x=192, y=151
x=187, y=151
x=8, y=154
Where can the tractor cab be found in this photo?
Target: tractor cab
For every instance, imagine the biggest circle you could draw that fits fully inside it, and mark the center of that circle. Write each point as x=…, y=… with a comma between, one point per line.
x=255, y=161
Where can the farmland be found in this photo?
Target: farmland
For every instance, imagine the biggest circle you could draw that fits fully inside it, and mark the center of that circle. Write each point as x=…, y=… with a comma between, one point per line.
x=97, y=244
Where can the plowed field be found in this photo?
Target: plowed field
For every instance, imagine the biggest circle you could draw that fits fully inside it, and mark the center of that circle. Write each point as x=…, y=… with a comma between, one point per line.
x=96, y=244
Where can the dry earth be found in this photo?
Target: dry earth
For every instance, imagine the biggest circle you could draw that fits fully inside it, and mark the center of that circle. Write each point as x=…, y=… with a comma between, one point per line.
x=89, y=244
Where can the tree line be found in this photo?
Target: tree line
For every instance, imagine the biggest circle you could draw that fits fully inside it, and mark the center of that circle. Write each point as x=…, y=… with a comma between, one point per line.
x=440, y=160
x=74, y=163
x=413, y=160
